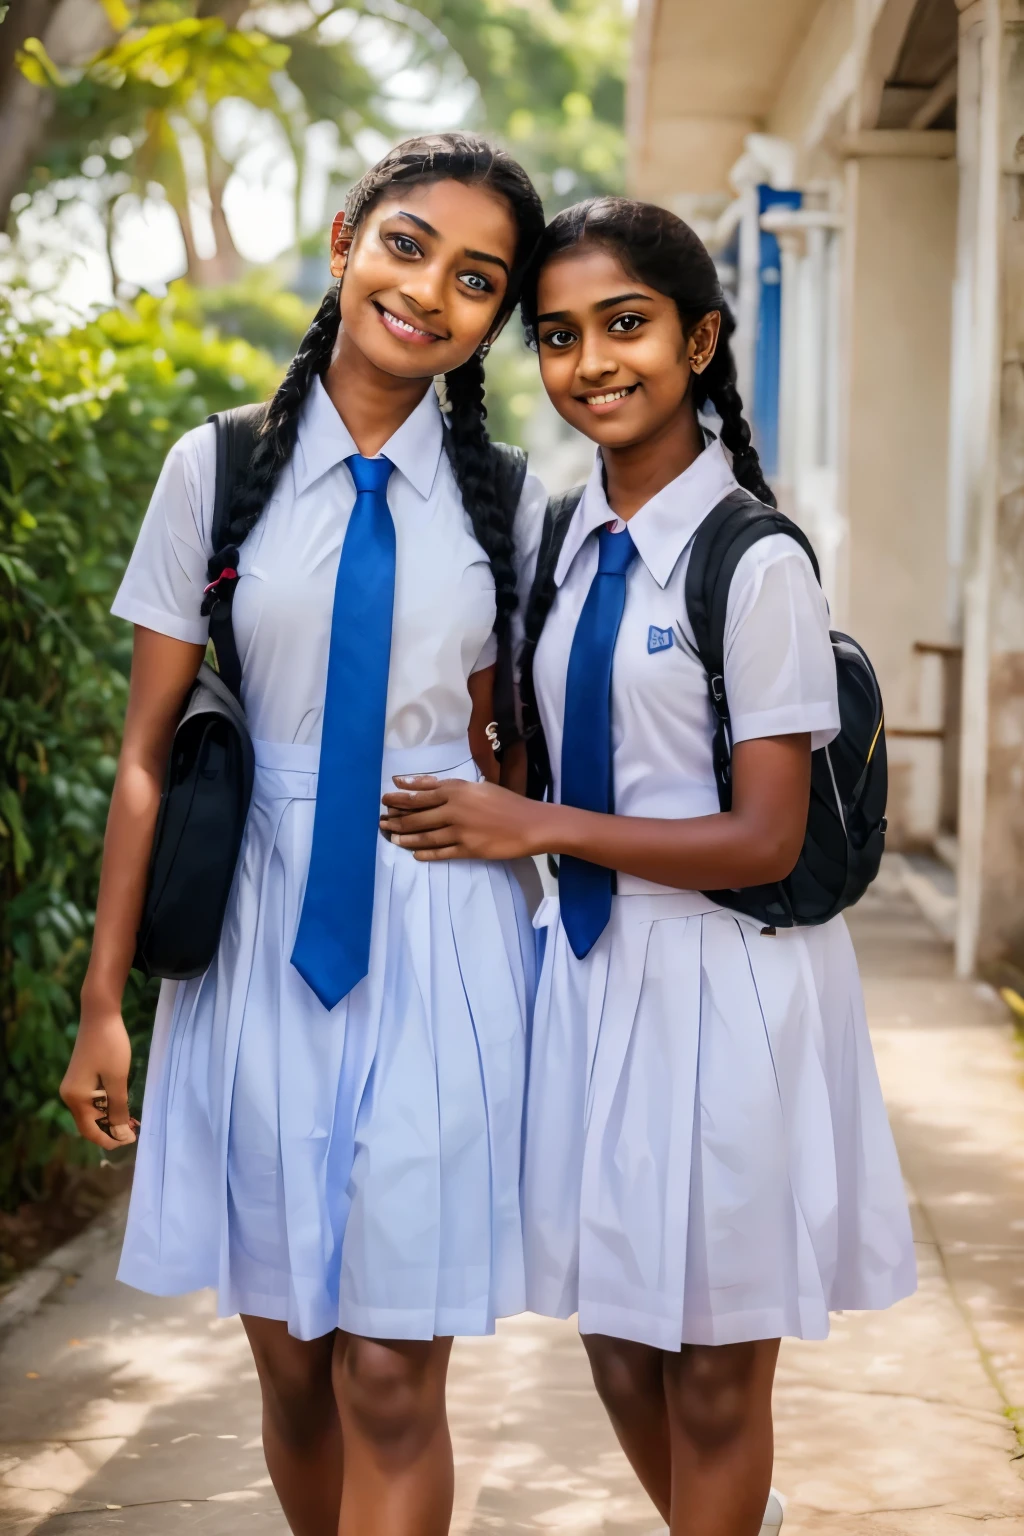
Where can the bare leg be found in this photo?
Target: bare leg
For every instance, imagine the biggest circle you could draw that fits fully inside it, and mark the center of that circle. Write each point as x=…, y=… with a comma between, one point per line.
x=301, y=1429
x=630, y=1383
x=720, y=1417
x=399, y=1472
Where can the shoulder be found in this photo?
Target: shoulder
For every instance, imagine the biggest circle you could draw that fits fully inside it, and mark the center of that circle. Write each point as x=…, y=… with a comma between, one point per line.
x=187, y=482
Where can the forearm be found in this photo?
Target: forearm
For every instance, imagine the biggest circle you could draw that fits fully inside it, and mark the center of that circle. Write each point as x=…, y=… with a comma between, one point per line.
x=701, y=853
x=126, y=850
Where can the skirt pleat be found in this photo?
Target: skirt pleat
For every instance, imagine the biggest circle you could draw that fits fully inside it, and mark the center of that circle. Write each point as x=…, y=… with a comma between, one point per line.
x=357, y=1168
x=727, y=1173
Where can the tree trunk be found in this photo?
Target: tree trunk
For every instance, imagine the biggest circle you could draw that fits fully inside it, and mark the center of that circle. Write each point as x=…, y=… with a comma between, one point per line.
x=71, y=31
x=227, y=265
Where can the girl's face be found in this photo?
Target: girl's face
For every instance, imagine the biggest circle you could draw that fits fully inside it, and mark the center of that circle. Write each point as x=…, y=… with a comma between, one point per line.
x=614, y=356
x=424, y=276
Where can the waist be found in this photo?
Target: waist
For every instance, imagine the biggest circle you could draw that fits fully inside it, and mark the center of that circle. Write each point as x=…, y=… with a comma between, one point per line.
x=290, y=770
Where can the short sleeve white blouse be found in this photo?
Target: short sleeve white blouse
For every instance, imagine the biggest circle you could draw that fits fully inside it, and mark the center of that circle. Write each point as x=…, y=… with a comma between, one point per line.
x=779, y=668
x=444, y=590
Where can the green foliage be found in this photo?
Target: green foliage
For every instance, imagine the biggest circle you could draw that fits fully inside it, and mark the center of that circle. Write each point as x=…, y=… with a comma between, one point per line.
x=85, y=421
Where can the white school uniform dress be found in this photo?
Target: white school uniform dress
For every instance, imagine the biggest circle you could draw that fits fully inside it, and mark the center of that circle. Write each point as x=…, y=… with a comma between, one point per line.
x=707, y=1155
x=357, y=1168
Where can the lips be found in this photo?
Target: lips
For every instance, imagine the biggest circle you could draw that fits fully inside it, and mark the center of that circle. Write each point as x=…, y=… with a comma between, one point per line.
x=603, y=401
x=404, y=329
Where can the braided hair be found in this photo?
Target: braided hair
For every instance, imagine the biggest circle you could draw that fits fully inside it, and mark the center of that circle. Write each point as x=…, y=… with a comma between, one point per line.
x=478, y=470
x=661, y=251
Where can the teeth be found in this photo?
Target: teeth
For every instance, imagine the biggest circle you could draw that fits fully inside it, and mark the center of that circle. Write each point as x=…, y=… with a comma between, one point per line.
x=616, y=394
x=404, y=325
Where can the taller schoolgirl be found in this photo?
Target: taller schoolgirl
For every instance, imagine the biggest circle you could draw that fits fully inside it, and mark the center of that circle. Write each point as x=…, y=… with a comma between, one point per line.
x=332, y=1124
x=708, y=1164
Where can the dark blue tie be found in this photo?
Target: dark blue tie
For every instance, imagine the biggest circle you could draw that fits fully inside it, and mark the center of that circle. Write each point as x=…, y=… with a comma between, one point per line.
x=585, y=890
x=332, y=947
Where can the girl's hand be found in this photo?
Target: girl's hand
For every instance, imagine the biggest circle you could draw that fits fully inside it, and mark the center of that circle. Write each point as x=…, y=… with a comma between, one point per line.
x=95, y=1086
x=453, y=819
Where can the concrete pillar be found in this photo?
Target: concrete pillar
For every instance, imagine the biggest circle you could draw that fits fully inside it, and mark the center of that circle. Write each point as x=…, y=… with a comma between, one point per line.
x=991, y=906
x=901, y=208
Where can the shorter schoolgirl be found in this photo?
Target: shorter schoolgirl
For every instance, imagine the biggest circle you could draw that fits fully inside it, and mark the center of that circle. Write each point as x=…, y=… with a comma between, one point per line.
x=708, y=1164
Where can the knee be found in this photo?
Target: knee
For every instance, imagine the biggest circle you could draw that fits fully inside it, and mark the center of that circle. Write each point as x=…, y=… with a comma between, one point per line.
x=298, y=1396
x=625, y=1374
x=712, y=1399
x=387, y=1394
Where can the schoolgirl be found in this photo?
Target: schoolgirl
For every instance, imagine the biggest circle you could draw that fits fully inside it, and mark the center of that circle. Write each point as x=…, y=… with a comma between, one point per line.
x=708, y=1164
x=332, y=1122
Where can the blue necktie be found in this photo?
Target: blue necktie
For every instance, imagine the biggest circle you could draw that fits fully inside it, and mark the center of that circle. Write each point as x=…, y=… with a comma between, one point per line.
x=332, y=947
x=585, y=890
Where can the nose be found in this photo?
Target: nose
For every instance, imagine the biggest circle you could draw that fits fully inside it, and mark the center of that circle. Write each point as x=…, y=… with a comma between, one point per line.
x=424, y=289
x=595, y=364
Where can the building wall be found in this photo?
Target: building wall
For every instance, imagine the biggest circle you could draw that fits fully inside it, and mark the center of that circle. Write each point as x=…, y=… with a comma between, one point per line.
x=901, y=252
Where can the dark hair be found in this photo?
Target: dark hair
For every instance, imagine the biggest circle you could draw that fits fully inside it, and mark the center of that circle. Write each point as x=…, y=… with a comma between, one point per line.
x=656, y=247
x=437, y=157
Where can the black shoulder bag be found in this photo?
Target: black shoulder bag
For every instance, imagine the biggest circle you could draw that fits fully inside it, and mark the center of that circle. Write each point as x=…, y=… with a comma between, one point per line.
x=209, y=777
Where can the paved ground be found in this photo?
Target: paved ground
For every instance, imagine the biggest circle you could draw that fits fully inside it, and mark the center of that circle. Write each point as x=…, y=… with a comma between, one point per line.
x=120, y=1412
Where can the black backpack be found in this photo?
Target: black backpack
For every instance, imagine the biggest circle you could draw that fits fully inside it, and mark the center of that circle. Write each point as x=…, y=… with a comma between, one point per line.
x=208, y=784
x=846, y=824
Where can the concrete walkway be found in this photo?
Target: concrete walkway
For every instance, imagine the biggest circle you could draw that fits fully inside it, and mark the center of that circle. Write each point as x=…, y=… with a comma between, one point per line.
x=123, y=1413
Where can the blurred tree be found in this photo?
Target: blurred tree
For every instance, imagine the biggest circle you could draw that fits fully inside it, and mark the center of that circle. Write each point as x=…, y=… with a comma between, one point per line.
x=547, y=76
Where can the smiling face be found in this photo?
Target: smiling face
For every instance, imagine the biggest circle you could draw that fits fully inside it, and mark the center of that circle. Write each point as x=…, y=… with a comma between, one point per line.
x=425, y=277
x=615, y=358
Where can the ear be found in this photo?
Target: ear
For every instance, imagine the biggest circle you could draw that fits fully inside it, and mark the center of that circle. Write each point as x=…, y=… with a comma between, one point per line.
x=341, y=243
x=702, y=342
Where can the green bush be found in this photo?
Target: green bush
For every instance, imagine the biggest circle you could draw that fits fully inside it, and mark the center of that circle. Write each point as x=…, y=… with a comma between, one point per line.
x=85, y=422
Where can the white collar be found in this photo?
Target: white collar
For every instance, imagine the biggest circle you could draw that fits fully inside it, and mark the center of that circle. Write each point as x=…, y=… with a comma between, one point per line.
x=324, y=441
x=663, y=526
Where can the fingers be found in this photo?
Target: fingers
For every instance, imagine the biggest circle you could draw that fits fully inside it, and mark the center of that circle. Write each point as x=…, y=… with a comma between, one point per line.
x=97, y=1118
x=415, y=821
x=416, y=800
x=438, y=837
x=118, y=1115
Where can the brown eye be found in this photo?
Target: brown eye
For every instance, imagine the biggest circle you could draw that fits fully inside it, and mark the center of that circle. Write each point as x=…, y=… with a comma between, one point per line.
x=405, y=245
x=625, y=325
x=477, y=282
x=559, y=339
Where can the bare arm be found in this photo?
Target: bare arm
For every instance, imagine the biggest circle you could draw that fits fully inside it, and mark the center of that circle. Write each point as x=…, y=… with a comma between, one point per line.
x=757, y=842
x=481, y=693
x=163, y=670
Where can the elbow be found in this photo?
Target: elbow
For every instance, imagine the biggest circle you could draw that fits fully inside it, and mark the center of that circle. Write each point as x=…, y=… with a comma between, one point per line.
x=776, y=851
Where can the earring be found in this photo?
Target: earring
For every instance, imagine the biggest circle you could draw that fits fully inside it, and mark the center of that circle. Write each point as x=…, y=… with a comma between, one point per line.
x=483, y=349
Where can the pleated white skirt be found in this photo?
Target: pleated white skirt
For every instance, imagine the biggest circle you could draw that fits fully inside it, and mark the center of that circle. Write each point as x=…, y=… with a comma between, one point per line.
x=707, y=1156
x=357, y=1168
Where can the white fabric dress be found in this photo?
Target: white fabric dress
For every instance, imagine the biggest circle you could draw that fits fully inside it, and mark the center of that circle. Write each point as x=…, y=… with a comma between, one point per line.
x=707, y=1154
x=357, y=1168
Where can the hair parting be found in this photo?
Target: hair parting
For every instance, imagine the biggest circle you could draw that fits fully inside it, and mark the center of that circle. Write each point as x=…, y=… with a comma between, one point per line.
x=656, y=247
x=437, y=157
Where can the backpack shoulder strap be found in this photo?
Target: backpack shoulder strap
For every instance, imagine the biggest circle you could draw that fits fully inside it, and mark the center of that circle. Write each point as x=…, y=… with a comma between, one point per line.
x=557, y=517
x=237, y=431
x=723, y=538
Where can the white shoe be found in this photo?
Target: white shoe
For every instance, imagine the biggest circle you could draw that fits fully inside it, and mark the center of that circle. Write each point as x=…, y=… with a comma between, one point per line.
x=772, y=1515
x=772, y=1518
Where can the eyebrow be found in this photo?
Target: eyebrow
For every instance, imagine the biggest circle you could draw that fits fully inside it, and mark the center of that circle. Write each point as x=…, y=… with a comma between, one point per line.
x=620, y=298
x=495, y=260
x=430, y=230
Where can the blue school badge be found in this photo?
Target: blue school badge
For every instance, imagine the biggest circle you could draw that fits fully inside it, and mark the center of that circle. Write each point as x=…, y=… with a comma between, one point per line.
x=658, y=640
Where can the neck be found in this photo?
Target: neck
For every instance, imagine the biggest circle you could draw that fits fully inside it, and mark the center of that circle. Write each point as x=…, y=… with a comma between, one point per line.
x=637, y=471
x=372, y=404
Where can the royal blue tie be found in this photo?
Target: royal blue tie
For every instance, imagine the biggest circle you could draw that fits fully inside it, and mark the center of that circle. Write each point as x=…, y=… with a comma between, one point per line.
x=332, y=947
x=585, y=890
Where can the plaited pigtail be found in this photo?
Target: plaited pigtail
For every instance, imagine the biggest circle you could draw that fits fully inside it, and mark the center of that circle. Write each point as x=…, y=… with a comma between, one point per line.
x=476, y=470
x=277, y=436
x=717, y=384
